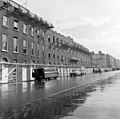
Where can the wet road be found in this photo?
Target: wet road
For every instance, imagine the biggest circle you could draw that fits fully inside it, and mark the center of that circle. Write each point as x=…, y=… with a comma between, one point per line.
x=102, y=103
x=98, y=101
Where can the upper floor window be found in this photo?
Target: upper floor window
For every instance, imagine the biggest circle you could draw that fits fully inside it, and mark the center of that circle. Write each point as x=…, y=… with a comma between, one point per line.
x=49, y=55
x=58, y=57
x=32, y=31
x=4, y=42
x=54, y=56
x=53, y=39
x=15, y=45
x=15, y=25
x=38, y=49
x=57, y=40
x=43, y=48
x=42, y=32
x=48, y=38
x=25, y=28
x=38, y=33
x=32, y=48
x=5, y=21
x=24, y=46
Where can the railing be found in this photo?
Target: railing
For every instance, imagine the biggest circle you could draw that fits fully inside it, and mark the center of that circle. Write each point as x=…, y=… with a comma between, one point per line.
x=20, y=72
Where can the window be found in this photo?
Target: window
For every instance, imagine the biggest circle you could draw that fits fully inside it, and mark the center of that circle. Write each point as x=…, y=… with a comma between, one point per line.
x=32, y=32
x=25, y=28
x=38, y=33
x=49, y=55
x=48, y=38
x=53, y=51
x=32, y=48
x=15, y=26
x=4, y=42
x=38, y=49
x=43, y=48
x=53, y=39
x=5, y=21
x=54, y=56
x=57, y=40
x=24, y=46
x=15, y=45
x=42, y=32
x=58, y=57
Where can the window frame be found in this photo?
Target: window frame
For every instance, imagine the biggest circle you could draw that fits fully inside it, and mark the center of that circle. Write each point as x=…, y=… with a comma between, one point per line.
x=6, y=22
x=17, y=45
x=32, y=49
x=5, y=49
x=25, y=47
x=16, y=28
x=25, y=30
x=32, y=31
x=38, y=49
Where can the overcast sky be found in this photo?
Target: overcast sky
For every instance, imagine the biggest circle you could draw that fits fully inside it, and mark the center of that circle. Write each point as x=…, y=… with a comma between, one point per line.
x=92, y=23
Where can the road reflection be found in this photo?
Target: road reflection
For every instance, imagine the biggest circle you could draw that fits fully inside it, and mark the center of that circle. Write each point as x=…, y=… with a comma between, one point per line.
x=81, y=103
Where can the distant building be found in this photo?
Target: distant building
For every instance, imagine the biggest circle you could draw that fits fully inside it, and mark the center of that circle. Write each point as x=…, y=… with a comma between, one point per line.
x=102, y=60
x=99, y=60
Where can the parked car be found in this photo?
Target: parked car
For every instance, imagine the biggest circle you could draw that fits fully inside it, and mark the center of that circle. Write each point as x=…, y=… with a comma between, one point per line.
x=78, y=72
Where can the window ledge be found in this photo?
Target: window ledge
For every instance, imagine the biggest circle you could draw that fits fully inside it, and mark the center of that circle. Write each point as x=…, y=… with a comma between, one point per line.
x=25, y=33
x=4, y=50
x=25, y=54
x=15, y=30
x=15, y=52
x=5, y=26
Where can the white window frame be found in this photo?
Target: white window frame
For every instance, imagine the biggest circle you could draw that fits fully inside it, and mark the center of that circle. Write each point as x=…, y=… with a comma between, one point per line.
x=25, y=31
x=32, y=31
x=5, y=21
x=25, y=47
x=38, y=50
x=32, y=49
x=6, y=42
x=16, y=25
x=38, y=32
x=15, y=45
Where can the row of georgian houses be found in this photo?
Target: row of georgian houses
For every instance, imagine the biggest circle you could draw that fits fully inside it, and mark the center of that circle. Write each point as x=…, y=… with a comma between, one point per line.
x=27, y=38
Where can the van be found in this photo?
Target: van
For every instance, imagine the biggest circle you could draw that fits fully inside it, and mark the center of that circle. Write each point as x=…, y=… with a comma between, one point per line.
x=46, y=73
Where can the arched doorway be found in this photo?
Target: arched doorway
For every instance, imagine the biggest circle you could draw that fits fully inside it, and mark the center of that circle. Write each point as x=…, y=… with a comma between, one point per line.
x=31, y=69
x=4, y=71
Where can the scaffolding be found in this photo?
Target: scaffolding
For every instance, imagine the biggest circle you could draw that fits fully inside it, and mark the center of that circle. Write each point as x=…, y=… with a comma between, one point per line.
x=20, y=72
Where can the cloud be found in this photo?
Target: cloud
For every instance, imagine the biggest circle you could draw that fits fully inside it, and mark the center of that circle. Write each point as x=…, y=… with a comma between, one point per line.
x=68, y=23
x=97, y=21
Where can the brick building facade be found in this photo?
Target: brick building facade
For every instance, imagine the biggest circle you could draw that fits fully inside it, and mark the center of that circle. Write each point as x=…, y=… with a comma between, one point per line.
x=63, y=50
x=22, y=34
